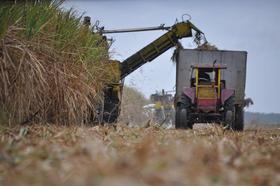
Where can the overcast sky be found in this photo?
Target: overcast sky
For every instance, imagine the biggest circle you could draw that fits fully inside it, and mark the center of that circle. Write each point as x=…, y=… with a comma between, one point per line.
x=250, y=25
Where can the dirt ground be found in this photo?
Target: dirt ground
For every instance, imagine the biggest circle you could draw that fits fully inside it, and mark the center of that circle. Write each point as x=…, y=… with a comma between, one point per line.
x=52, y=155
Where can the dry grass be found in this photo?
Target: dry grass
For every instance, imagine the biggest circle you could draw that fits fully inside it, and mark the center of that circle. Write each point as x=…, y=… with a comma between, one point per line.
x=207, y=46
x=55, y=155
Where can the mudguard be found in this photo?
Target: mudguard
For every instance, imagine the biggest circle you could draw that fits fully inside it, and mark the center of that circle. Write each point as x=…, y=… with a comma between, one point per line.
x=226, y=94
x=190, y=93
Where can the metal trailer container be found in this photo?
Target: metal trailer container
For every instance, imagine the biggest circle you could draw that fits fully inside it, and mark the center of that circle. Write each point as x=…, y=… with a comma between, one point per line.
x=234, y=75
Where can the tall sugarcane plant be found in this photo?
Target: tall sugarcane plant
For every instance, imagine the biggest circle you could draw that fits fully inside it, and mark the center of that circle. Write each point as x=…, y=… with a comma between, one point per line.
x=52, y=67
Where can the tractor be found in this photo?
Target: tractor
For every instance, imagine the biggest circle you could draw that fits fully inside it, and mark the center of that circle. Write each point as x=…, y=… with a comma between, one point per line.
x=208, y=99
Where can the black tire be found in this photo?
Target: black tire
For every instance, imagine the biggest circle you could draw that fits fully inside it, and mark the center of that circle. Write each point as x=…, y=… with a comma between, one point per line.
x=182, y=114
x=229, y=119
x=239, y=118
x=229, y=113
x=111, y=109
x=177, y=117
x=184, y=117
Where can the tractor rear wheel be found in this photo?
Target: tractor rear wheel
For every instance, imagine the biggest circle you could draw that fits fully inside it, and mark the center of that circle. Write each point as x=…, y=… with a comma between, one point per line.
x=185, y=123
x=183, y=114
x=229, y=117
x=177, y=117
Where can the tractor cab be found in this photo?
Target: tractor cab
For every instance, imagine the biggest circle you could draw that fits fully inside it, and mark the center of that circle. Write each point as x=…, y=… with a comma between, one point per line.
x=207, y=83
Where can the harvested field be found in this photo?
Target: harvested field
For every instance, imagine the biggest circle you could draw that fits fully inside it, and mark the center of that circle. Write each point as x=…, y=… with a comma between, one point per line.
x=56, y=155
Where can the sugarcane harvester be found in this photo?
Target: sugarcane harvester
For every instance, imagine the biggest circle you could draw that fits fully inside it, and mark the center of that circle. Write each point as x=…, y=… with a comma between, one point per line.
x=113, y=92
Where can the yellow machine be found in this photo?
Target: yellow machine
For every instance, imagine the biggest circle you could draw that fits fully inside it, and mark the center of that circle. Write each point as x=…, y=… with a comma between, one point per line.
x=164, y=111
x=112, y=94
